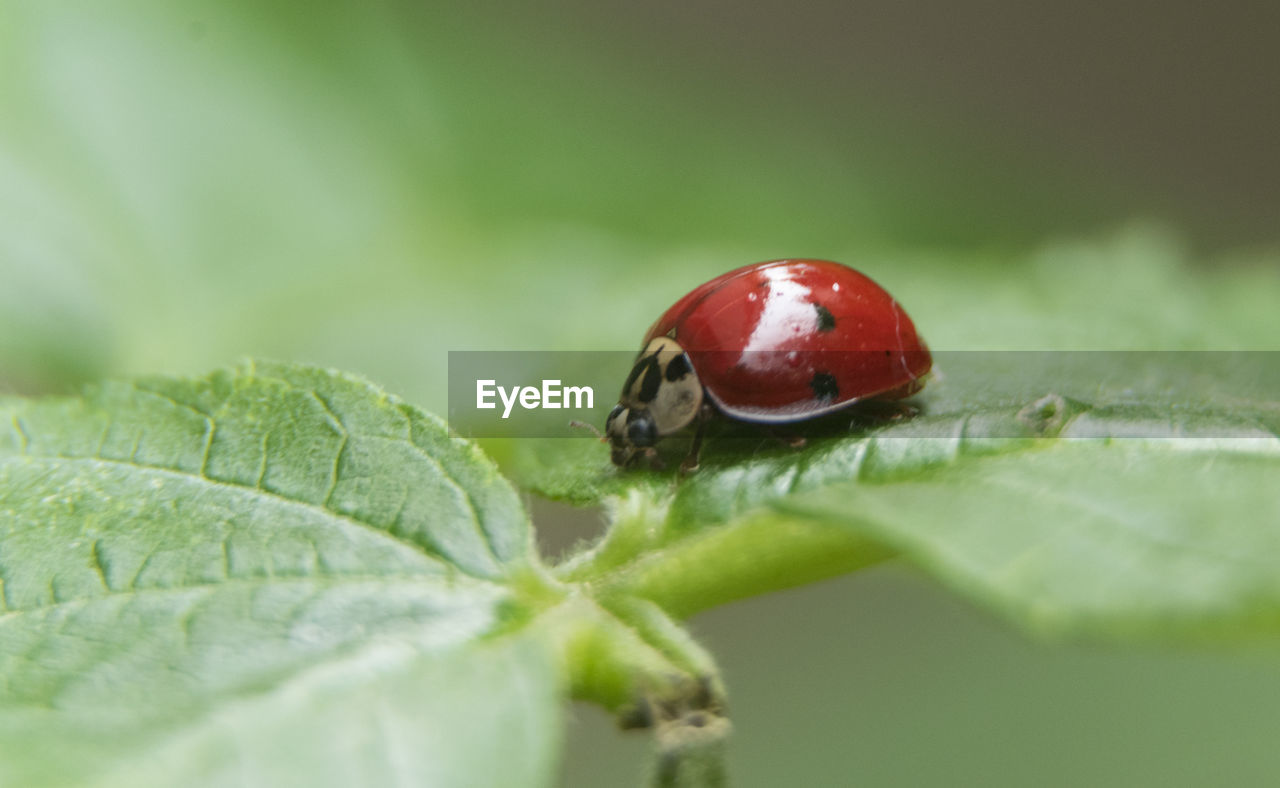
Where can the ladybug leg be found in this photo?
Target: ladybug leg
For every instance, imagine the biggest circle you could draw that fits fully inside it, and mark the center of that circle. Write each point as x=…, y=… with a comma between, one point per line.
x=876, y=412
x=651, y=456
x=789, y=439
x=690, y=463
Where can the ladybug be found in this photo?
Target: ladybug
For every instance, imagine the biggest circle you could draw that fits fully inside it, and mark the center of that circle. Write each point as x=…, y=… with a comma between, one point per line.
x=771, y=343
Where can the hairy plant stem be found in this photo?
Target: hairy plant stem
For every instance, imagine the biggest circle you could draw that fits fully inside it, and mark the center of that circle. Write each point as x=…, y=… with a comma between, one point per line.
x=686, y=573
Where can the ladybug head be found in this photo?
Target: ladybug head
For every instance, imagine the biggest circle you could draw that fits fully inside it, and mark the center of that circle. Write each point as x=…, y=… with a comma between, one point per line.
x=661, y=395
x=630, y=431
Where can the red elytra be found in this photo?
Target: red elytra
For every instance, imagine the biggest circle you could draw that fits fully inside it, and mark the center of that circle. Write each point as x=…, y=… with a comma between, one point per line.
x=774, y=342
x=763, y=339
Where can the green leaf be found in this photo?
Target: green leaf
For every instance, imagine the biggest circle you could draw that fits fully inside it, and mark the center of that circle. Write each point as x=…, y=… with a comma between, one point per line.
x=384, y=714
x=1009, y=454
x=271, y=575
x=1159, y=538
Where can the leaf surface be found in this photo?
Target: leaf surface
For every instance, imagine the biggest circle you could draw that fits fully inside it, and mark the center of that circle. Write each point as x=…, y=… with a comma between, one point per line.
x=1086, y=538
x=1123, y=494
x=226, y=574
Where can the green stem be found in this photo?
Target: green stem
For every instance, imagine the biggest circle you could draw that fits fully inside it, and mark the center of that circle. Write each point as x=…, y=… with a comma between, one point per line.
x=727, y=563
x=629, y=657
x=690, y=752
x=637, y=526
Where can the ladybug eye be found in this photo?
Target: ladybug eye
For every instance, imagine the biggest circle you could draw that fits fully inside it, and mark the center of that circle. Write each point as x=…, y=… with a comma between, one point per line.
x=641, y=431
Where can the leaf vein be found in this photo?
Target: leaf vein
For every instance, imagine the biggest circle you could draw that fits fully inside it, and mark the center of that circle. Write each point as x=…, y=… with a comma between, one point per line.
x=209, y=424
x=96, y=551
x=22, y=433
x=409, y=414
x=425, y=551
x=141, y=568
x=208, y=445
x=476, y=519
x=342, y=447
x=324, y=581
x=262, y=466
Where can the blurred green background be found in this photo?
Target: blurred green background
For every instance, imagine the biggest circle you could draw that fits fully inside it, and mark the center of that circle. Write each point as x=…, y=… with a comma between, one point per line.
x=371, y=185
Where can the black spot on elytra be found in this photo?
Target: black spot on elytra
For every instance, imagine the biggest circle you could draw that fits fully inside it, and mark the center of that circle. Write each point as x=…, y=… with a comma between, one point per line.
x=824, y=386
x=826, y=320
x=678, y=368
x=650, y=382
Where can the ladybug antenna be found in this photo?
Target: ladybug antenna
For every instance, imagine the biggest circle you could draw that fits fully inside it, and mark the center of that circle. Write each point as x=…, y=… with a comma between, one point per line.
x=582, y=425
